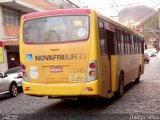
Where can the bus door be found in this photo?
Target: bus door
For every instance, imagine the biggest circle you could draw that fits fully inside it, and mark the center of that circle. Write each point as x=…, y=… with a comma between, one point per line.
x=105, y=82
x=110, y=50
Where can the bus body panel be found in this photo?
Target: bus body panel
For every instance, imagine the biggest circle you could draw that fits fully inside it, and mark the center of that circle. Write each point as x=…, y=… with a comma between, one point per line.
x=67, y=89
x=72, y=58
x=129, y=64
x=104, y=81
x=60, y=83
x=114, y=73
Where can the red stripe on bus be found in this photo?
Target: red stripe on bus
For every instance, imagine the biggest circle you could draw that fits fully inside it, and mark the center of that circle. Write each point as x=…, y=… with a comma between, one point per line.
x=57, y=12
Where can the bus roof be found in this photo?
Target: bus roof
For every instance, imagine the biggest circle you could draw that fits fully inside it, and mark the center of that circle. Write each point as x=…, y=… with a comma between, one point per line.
x=56, y=12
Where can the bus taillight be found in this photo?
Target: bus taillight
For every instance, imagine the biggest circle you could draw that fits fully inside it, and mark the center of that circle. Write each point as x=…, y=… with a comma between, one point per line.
x=92, y=73
x=25, y=73
x=92, y=65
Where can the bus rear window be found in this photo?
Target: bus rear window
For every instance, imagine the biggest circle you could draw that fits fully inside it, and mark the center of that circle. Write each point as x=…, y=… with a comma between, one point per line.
x=56, y=29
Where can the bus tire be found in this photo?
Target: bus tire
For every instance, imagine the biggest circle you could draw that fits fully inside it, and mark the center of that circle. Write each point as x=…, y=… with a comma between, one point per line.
x=138, y=78
x=120, y=91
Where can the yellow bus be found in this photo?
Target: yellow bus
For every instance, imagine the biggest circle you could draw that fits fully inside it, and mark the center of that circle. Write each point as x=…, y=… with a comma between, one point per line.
x=77, y=53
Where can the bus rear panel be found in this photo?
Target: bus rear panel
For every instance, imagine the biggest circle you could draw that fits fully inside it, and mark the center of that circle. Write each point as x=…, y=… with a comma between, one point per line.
x=55, y=54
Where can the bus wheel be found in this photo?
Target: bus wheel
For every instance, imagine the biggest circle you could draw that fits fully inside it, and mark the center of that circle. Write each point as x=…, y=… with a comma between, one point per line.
x=138, y=78
x=120, y=91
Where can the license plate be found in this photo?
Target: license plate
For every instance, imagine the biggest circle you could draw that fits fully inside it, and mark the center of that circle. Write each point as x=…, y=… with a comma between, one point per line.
x=76, y=77
x=56, y=69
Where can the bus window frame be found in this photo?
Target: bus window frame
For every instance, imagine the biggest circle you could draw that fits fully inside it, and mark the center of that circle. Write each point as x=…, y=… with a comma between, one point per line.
x=83, y=40
x=131, y=37
x=104, y=35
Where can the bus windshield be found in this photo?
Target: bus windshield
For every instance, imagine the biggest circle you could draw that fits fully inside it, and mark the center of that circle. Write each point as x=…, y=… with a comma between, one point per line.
x=56, y=29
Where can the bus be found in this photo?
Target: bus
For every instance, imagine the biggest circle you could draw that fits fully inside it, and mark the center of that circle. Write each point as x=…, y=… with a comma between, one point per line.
x=78, y=53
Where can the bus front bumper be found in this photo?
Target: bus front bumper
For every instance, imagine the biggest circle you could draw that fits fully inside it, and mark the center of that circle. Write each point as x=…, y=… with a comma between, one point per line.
x=67, y=89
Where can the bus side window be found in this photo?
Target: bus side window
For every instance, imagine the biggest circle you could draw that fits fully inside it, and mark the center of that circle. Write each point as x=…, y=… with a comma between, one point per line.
x=128, y=42
x=102, y=37
x=139, y=45
x=122, y=41
x=125, y=42
x=116, y=40
x=142, y=45
x=134, y=44
x=119, y=41
x=129, y=38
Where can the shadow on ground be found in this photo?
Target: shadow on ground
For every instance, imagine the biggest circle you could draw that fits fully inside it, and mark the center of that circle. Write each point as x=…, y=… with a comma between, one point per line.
x=4, y=97
x=78, y=109
x=83, y=105
x=7, y=96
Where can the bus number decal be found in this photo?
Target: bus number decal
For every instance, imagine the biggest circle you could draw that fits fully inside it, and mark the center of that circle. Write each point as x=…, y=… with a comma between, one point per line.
x=79, y=70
